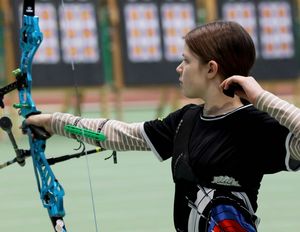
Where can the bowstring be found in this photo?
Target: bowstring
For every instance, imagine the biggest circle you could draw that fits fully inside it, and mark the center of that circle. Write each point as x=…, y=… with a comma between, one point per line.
x=77, y=94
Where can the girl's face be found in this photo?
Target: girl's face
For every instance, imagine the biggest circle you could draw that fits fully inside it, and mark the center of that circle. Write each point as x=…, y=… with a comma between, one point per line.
x=193, y=74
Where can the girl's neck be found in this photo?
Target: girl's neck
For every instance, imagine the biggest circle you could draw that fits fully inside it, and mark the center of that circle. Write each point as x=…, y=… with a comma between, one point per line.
x=221, y=108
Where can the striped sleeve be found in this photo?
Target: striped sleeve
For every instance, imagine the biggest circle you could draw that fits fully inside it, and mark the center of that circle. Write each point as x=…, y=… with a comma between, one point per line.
x=286, y=114
x=121, y=136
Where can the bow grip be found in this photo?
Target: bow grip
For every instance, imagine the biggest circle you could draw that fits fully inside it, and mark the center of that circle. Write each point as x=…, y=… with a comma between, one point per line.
x=37, y=131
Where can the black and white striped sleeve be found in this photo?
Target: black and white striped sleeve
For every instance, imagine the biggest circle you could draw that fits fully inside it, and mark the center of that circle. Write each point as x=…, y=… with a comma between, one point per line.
x=287, y=115
x=120, y=136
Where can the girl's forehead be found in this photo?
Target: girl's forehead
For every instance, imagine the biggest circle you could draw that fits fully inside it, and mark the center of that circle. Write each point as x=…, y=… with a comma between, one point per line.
x=187, y=52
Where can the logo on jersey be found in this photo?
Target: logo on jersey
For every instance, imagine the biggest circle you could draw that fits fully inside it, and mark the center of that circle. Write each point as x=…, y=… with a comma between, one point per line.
x=225, y=180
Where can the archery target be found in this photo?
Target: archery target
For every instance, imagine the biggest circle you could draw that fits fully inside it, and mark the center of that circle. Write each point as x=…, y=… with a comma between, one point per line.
x=177, y=20
x=275, y=26
x=79, y=33
x=142, y=30
x=48, y=51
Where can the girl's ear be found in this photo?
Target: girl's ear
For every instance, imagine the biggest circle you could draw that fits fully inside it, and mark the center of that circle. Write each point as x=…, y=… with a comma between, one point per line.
x=212, y=69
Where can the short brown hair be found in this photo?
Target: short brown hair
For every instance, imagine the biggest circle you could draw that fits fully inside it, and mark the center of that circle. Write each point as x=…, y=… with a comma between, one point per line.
x=225, y=42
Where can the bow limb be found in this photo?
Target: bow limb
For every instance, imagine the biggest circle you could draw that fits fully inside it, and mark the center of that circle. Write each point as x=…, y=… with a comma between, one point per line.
x=51, y=192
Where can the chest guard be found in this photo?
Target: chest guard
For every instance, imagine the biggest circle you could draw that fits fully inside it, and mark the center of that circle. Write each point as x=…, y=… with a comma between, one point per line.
x=181, y=168
x=201, y=212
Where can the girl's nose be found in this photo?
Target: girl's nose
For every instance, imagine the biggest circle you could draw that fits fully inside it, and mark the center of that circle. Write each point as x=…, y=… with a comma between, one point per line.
x=179, y=68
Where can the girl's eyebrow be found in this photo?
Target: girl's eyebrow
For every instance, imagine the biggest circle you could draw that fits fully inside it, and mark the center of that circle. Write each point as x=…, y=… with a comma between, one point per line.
x=186, y=56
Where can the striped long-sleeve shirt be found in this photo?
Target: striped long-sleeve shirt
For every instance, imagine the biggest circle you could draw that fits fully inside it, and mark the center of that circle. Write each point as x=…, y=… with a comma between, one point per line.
x=123, y=136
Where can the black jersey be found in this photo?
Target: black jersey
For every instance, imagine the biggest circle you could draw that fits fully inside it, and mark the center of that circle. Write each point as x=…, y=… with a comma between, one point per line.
x=231, y=151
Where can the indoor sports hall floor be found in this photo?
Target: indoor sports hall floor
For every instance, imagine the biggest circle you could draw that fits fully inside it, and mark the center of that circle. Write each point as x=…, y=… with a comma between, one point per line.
x=135, y=195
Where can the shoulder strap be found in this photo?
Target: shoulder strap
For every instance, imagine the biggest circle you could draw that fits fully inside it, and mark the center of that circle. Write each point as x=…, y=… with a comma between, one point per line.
x=184, y=128
x=180, y=160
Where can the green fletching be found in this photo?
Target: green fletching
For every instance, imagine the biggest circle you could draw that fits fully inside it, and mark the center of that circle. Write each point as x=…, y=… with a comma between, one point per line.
x=84, y=132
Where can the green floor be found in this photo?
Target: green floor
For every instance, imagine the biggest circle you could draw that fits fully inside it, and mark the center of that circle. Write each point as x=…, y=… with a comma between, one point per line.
x=135, y=195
